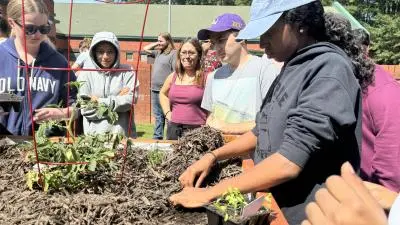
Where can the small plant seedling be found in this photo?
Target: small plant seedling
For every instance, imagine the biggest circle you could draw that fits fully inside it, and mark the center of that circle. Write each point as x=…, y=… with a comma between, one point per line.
x=231, y=203
x=89, y=148
x=155, y=157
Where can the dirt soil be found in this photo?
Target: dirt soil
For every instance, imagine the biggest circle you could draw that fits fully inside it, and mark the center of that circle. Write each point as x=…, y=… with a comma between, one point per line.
x=142, y=197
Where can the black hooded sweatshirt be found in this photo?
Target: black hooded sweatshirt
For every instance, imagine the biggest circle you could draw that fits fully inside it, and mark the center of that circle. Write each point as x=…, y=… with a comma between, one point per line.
x=312, y=116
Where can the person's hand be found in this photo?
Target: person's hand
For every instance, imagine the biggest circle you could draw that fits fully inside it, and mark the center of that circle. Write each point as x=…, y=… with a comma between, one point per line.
x=94, y=98
x=199, y=169
x=192, y=197
x=46, y=114
x=168, y=116
x=344, y=201
x=384, y=196
x=124, y=91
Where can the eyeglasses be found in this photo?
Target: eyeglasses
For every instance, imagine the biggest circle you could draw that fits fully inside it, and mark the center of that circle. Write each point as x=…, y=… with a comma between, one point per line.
x=31, y=29
x=189, y=53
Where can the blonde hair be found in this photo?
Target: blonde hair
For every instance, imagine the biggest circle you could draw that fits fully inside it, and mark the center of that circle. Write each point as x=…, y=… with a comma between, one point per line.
x=168, y=39
x=14, y=8
x=85, y=43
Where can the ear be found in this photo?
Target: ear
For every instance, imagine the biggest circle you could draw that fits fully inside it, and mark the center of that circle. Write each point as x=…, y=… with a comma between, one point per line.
x=303, y=30
x=11, y=23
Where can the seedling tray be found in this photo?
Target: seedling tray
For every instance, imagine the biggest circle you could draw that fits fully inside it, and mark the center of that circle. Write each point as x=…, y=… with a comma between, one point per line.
x=215, y=218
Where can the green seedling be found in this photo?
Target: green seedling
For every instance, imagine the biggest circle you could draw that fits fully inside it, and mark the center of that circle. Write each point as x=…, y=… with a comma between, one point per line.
x=155, y=157
x=230, y=204
x=89, y=148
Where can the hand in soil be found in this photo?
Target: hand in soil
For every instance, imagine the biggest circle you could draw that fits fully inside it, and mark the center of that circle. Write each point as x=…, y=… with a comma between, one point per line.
x=192, y=197
x=200, y=169
x=344, y=201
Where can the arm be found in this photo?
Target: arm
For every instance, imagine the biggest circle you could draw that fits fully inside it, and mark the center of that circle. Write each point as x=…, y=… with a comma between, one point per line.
x=385, y=111
x=79, y=61
x=121, y=103
x=164, y=100
x=148, y=48
x=242, y=146
x=271, y=172
x=45, y=114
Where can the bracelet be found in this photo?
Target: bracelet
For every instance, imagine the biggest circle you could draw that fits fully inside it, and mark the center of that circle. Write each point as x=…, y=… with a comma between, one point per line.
x=213, y=154
x=167, y=113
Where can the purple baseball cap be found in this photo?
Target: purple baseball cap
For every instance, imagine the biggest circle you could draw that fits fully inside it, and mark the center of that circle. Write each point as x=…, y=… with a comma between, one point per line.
x=224, y=22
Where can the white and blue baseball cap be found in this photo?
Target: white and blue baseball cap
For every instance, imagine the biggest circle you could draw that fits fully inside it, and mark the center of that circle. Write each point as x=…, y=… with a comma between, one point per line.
x=264, y=14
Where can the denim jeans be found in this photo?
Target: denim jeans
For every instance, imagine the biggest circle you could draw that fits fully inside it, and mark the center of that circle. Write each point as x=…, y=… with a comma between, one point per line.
x=158, y=114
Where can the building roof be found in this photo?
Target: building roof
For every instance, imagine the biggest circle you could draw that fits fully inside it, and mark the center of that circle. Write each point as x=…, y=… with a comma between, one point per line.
x=126, y=20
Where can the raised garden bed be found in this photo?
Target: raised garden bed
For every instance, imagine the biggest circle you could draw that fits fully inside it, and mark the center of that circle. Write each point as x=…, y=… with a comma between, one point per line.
x=141, y=197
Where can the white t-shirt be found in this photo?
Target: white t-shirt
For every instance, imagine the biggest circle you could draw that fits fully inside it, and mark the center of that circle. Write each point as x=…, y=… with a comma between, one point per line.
x=394, y=215
x=83, y=59
x=235, y=96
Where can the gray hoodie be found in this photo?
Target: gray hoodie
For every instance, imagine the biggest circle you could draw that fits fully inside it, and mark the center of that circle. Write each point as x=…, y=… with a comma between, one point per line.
x=107, y=86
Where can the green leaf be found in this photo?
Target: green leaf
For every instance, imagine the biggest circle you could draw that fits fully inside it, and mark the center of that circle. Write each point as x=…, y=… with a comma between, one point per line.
x=75, y=84
x=226, y=217
x=68, y=155
x=109, y=154
x=92, y=165
x=31, y=178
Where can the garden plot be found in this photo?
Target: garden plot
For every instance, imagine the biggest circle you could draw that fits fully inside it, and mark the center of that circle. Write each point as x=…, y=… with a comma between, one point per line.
x=97, y=195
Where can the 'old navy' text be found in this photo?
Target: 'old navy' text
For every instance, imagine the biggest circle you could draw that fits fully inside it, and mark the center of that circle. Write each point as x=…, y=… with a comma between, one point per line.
x=39, y=84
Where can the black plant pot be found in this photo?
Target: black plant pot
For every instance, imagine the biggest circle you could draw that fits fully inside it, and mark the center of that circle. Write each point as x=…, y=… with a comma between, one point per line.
x=215, y=218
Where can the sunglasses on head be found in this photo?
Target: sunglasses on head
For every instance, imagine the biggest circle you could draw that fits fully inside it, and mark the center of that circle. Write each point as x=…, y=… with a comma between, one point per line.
x=32, y=29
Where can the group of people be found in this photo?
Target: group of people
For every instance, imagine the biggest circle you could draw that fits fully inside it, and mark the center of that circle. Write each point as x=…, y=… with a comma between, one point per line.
x=310, y=126
x=191, y=88
x=324, y=118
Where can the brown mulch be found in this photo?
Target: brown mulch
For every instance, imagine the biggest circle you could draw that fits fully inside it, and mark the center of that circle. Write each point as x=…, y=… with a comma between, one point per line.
x=142, y=197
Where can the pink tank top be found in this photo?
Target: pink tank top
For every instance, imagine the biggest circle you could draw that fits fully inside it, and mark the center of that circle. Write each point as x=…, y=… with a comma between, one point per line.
x=185, y=101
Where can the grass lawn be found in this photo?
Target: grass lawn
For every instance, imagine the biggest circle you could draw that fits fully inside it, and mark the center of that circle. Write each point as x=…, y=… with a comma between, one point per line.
x=144, y=130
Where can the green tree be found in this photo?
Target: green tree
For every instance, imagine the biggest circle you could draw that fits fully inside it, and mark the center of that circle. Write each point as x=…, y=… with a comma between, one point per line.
x=385, y=35
x=242, y=2
x=381, y=18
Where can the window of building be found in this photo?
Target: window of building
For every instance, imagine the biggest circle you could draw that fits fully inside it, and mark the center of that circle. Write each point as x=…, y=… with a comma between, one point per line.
x=129, y=56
